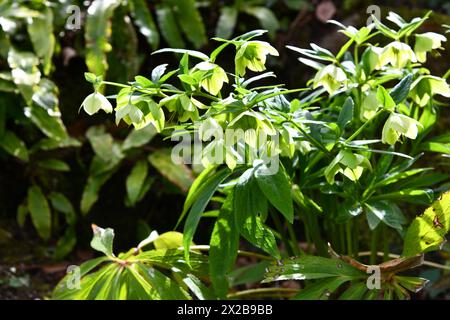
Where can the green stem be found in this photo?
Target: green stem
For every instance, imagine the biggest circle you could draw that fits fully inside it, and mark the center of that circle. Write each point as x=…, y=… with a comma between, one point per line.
x=374, y=245
x=348, y=233
x=316, y=143
x=262, y=291
x=396, y=256
x=365, y=124
x=294, y=241
x=385, y=242
x=240, y=252
x=159, y=90
x=274, y=94
x=280, y=230
x=447, y=74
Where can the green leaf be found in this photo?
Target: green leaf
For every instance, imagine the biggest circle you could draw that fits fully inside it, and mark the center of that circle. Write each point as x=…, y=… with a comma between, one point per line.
x=166, y=287
x=169, y=240
x=65, y=244
x=144, y=20
x=226, y=22
x=40, y=30
x=224, y=245
x=54, y=164
x=311, y=267
x=354, y=292
x=385, y=98
x=97, y=33
x=178, y=174
x=22, y=213
x=435, y=147
x=138, y=138
x=168, y=26
x=201, y=291
x=192, y=53
x=260, y=235
x=409, y=195
x=249, y=211
x=384, y=211
x=277, y=190
x=384, y=29
x=190, y=20
x=91, y=190
x=14, y=146
x=249, y=274
x=62, y=204
x=401, y=90
x=103, y=240
x=62, y=291
x=321, y=290
x=51, y=126
x=387, y=179
x=266, y=18
x=427, y=232
x=346, y=114
x=203, y=195
x=135, y=181
x=40, y=211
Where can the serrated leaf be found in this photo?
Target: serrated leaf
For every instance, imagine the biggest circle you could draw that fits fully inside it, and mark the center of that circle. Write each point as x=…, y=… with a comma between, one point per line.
x=204, y=194
x=401, y=90
x=277, y=190
x=224, y=246
x=346, y=114
x=427, y=232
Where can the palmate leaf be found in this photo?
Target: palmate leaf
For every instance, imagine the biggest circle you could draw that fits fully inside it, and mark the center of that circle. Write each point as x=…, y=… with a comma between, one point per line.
x=427, y=232
x=154, y=274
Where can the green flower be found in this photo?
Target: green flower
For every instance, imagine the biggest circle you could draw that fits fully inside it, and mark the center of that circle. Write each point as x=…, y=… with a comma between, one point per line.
x=347, y=163
x=252, y=55
x=425, y=87
x=330, y=77
x=398, y=125
x=426, y=42
x=397, y=54
x=214, y=77
x=369, y=106
x=94, y=102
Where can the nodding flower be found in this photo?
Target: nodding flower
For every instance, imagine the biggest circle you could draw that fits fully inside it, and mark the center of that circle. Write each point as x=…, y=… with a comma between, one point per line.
x=252, y=55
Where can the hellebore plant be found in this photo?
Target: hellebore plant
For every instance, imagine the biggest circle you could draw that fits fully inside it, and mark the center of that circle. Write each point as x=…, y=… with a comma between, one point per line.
x=347, y=150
